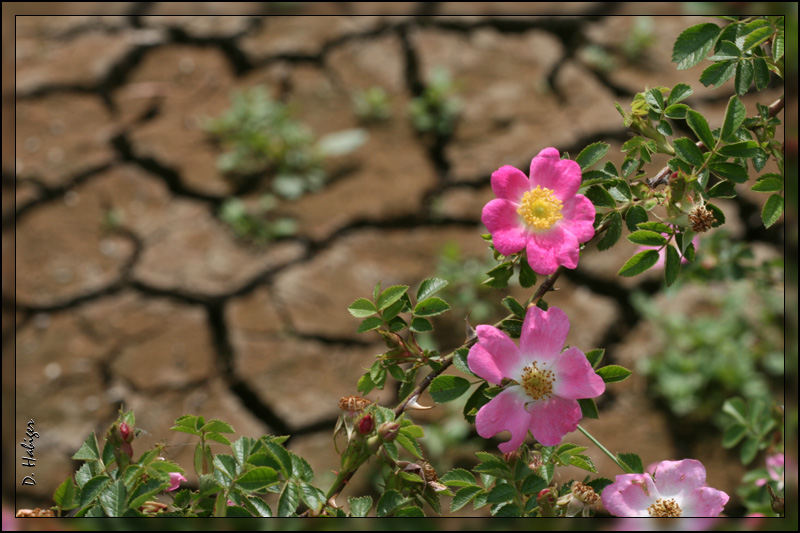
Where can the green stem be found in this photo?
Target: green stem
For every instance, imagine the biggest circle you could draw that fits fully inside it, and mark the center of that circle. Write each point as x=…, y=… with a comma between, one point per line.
x=605, y=450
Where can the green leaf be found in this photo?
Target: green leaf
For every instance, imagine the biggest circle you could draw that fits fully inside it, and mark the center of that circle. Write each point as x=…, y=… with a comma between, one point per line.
x=733, y=434
x=600, y=197
x=688, y=151
x=588, y=408
x=499, y=275
x=730, y=171
x=64, y=496
x=639, y=263
x=658, y=227
x=719, y=217
x=533, y=484
x=768, y=183
x=676, y=111
x=726, y=50
x=594, y=356
x=429, y=287
x=500, y=494
x=584, y=462
x=740, y=149
x=734, y=116
x=365, y=384
x=748, y=451
x=242, y=449
x=362, y=308
x=391, y=295
x=446, y=388
x=700, y=127
x=635, y=216
x=88, y=450
x=113, y=499
x=680, y=92
x=313, y=497
x=92, y=488
x=216, y=437
x=389, y=502
x=458, y=477
x=723, y=189
x=258, y=507
x=514, y=306
x=226, y=465
x=288, y=500
x=778, y=44
x=757, y=37
x=146, y=491
x=613, y=233
x=613, y=373
x=360, y=506
x=632, y=461
x=409, y=444
x=218, y=426
x=773, y=209
x=672, y=266
x=369, y=323
x=431, y=307
x=647, y=238
x=464, y=496
x=761, y=73
x=590, y=155
x=257, y=479
x=280, y=454
x=421, y=325
x=694, y=44
x=527, y=277
x=718, y=73
x=744, y=77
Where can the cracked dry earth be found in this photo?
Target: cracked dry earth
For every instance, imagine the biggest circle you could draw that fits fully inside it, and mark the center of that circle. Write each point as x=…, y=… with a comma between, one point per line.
x=171, y=314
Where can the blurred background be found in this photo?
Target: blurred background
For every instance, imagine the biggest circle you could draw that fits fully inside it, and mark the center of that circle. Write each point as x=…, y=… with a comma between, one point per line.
x=164, y=253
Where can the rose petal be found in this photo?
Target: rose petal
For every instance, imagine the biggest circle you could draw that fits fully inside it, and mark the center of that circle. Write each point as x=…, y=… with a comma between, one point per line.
x=553, y=418
x=704, y=501
x=629, y=495
x=543, y=334
x=495, y=356
x=502, y=220
x=510, y=183
x=505, y=412
x=547, y=251
x=579, y=214
x=575, y=378
x=562, y=176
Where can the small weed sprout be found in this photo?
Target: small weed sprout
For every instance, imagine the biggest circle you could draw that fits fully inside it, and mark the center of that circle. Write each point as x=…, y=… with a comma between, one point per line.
x=372, y=105
x=437, y=109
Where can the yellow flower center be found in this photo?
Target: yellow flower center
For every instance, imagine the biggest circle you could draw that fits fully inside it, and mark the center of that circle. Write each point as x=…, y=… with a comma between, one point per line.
x=538, y=384
x=664, y=509
x=540, y=208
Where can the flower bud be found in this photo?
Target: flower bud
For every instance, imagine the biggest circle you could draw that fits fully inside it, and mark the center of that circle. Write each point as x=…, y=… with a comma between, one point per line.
x=366, y=425
x=388, y=431
x=125, y=432
x=126, y=449
x=547, y=499
x=175, y=479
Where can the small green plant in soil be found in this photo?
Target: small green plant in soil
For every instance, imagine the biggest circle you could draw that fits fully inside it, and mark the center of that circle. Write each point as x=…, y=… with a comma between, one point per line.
x=437, y=109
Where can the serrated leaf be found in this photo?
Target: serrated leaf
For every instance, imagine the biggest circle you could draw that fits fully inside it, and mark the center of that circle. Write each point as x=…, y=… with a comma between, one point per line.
x=778, y=44
x=757, y=37
x=672, y=265
x=647, y=238
x=218, y=426
x=590, y=155
x=369, y=323
x=730, y=171
x=391, y=295
x=688, y=151
x=726, y=50
x=458, y=477
x=768, y=183
x=744, y=77
x=700, y=127
x=748, y=451
x=288, y=500
x=92, y=488
x=583, y=462
x=533, y=484
x=359, y=506
x=257, y=479
x=226, y=465
x=112, y=498
x=365, y=384
x=676, y=111
x=280, y=454
x=446, y=388
x=740, y=149
x=409, y=444
x=527, y=277
x=733, y=434
x=313, y=497
x=464, y=496
x=639, y=263
x=146, y=491
x=64, y=496
x=429, y=287
x=389, y=502
x=718, y=73
x=431, y=307
x=632, y=461
x=658, y=227
x=510, y=303
x=613, y=233
x=772, y=211
x=613, y=373
x=460, y=361
x=735, y=114
x=500, y=494
x=760, y=73
x=694, y=44
x=588, y=408
x=595, y=356
x=635, y=216
x=362, y=308
x=680, y=92
x=600, y=197
x=88, y=450
x=723, y=189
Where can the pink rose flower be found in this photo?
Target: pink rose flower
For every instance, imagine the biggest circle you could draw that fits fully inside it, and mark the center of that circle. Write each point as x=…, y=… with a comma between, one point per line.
x=775, y=470
x=543, y=214
x=547, y=384
x=677, y=488
x=175, y=479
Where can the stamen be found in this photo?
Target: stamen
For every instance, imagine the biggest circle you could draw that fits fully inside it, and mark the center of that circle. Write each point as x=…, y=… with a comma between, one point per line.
x=663, y=508
x=540, y=208
x=538, y=384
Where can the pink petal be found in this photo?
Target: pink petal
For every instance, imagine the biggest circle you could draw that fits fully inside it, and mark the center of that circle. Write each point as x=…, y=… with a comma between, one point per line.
x=553, y=418
x=629, y=495
x=548, y=251
x=502, y=220
x=562, y=176
x=676, y=477
x=505, y=412
x=495, y=356
x=543, y=334
x=704, y=501
x=575, y=378
x=579, y=215
x=509, y=183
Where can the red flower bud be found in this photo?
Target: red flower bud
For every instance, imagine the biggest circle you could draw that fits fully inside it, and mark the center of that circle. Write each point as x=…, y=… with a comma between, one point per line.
x=125, y=432
x=127, y=449
x=388, y=431
x=365, y=425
